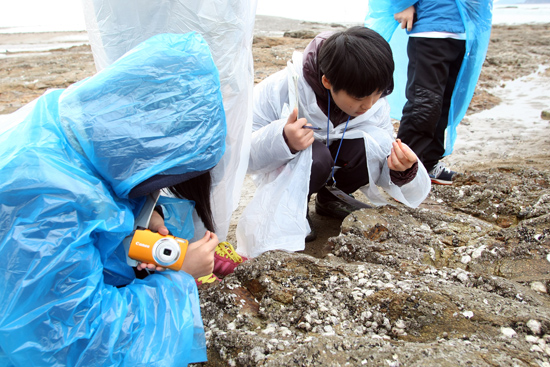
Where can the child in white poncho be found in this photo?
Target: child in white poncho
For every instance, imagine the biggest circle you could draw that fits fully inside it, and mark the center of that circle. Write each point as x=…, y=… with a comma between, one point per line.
x=319, y=125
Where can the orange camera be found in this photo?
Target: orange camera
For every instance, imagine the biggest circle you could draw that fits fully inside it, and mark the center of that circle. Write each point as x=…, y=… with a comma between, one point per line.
x=151, y=247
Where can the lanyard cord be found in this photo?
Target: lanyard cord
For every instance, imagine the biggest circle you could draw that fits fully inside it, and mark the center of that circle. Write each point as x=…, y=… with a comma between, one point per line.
x=341, y=140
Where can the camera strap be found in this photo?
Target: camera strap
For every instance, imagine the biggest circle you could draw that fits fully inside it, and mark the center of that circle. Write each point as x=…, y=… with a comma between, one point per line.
x=142, y=221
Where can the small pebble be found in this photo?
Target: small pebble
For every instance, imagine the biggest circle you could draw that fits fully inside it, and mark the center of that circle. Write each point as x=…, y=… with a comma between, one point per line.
x=536, y=348
x=534, y=326
x=400, y=324
x=463, y=277
x=508, y=332
x=539, y=287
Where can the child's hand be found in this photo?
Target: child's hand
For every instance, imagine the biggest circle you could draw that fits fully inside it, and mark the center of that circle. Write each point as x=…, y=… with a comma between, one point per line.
x=297, y=138
x=199, y=260
x=406, y=18
x=402, y=157
x=156, y=224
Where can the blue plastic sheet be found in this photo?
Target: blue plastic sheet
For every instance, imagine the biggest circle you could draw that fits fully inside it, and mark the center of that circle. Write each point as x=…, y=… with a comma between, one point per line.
x=477, y=17
x=65, y=174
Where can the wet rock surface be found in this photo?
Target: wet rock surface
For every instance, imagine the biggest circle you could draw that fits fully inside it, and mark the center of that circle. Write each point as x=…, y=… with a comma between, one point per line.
x=460, y=281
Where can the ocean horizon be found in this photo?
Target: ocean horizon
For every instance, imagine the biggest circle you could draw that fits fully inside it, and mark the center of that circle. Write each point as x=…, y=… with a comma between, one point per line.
x=30, y=16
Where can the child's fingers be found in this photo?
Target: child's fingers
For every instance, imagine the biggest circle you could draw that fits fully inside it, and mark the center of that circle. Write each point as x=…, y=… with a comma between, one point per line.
x=397, y=152
x=293, y=116
x=406, y=151
x=393, y=163
x=156, y=224
x=390, y=164
x=397, y=161
x=212, y=243
x=153, y=267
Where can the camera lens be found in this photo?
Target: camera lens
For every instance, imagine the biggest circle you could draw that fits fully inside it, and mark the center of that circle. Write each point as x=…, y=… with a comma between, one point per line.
x=166, y=251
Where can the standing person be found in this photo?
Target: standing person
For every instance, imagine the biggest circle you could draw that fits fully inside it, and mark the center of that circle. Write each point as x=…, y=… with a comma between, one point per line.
x=446, y=47
x=74, y=176
x=337, y=87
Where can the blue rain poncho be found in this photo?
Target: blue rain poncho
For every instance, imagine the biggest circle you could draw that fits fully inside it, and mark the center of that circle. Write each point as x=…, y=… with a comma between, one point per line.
x=67, y=296
x=476, y=16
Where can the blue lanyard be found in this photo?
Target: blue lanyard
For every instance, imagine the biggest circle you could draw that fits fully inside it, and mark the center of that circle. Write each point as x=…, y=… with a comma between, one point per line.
x=341, y=140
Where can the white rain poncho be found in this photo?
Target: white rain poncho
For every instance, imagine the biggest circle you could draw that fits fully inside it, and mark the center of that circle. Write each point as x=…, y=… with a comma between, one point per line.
x=67, y=296
x=276, y=216
x=476, y=16
x=115, y=26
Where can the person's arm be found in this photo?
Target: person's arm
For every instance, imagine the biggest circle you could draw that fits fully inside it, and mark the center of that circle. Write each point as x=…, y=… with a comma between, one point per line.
x=275, y=139
x=406, y=18
x=199, y=258
x=401, y=157
x=296, y=137
x=403, y=163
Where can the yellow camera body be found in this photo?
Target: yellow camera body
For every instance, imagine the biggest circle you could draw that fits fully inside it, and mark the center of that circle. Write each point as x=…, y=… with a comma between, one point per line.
x=151, y=247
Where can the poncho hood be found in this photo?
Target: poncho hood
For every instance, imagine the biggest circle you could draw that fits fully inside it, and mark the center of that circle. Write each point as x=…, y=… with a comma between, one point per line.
x=156, y=110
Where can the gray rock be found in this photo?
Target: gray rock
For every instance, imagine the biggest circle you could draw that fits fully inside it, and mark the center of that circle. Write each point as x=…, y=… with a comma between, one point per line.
x=394, y=290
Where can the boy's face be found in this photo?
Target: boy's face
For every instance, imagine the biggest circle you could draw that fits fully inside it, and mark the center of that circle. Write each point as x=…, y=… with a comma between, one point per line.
x=351, y=105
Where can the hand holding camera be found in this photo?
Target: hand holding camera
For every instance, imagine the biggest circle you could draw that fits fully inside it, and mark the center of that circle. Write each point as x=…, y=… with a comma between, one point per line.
x=199, y=259
x=156, y=224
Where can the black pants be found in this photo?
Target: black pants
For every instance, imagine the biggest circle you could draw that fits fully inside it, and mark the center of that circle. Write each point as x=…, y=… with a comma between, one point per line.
x=352, y=173
x=433, y=67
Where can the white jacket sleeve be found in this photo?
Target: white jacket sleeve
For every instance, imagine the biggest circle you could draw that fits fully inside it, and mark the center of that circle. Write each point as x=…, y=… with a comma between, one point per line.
x=268, y=149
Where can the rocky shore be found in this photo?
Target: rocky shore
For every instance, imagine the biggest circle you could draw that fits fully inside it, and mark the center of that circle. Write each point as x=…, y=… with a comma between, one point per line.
x=461, y=281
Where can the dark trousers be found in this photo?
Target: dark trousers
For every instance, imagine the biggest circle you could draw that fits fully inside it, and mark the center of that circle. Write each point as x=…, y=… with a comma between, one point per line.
x=433, y=67
x=352, y=173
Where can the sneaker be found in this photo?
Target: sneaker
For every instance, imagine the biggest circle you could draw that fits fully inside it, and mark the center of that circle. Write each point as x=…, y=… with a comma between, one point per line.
x=226, y=259
x=312, y=235
x=441, y=175
x=334, y=208
x=207, y=279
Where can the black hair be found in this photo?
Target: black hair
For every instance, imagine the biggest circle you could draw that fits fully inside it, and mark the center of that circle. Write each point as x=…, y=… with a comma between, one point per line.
x=358, y=61
x=198, y=190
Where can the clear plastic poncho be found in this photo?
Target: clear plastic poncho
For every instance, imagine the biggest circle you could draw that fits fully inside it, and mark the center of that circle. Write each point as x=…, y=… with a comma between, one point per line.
x=115, y=26
x=67, y=296
x=477, y=17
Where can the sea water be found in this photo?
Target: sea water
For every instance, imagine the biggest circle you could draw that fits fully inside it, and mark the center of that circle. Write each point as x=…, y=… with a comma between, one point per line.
x=24, y=16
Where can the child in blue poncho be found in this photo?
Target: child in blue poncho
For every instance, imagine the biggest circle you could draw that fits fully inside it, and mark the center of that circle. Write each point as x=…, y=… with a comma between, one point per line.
x=74, y=174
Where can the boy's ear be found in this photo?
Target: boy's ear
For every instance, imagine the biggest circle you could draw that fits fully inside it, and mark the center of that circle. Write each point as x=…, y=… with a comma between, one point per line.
x=326, y=82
